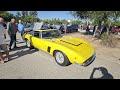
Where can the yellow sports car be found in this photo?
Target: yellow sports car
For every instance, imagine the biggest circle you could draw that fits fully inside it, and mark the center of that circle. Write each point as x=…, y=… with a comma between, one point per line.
x=66, y=49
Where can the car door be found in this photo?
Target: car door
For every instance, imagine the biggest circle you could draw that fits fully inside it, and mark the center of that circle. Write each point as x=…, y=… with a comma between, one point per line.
x=37, y=41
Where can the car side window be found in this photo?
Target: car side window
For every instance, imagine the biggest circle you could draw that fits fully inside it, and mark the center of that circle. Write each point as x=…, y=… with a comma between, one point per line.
x=36, y=34
x=46, y=34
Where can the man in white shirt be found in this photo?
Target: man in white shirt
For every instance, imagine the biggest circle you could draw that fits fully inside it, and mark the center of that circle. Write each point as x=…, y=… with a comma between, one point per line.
x=3, y=45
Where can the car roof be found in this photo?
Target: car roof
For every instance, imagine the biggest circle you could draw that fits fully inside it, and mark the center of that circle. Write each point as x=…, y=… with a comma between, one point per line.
x=45, y=30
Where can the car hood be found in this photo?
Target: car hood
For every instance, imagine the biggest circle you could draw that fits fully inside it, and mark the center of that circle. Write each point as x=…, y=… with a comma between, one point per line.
x=77, y=45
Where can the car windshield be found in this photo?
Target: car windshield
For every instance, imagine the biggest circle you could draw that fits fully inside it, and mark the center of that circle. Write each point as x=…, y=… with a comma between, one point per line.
x=51, y=34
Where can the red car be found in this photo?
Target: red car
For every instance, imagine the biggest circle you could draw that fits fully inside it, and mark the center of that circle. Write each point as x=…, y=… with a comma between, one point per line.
x=116, y=29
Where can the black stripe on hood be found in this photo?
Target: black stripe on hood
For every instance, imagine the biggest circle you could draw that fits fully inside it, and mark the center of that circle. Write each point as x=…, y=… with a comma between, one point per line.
x=71, y=43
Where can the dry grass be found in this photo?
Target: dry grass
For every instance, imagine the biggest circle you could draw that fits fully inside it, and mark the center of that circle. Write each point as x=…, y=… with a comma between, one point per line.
x=109, y=40
x=97, y=42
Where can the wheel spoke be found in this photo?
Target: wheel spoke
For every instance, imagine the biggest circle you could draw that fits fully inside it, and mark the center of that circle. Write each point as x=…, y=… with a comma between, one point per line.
x=59, y=57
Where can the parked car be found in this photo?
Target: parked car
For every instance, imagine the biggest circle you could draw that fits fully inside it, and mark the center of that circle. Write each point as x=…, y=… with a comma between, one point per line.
x=72, y=28
x=65, y=49
x=60, y=28
x=115, y=30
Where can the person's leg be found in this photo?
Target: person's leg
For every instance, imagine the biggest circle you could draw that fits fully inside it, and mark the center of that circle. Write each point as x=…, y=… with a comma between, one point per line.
x=4, y=47
x=93, y=32
x=11, y=41
x=22, y=33
x=15, y=40
x=1, y=56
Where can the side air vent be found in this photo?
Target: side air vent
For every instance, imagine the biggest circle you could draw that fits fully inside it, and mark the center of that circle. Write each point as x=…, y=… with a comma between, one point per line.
x=48, y=49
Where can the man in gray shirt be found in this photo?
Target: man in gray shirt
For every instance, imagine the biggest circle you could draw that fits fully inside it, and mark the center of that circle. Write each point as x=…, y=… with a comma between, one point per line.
x=12, y=30
x=3, y=45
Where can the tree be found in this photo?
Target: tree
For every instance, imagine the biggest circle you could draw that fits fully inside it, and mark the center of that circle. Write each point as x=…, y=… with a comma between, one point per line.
x=99, y=17
x=33, y=13
x=2, y=12
x=76, y=22
x=23, y=13
x=18, y=14
x=26, y=13
x=7, y=16
x=28, y=19
x=115, y=15
x=116, y=23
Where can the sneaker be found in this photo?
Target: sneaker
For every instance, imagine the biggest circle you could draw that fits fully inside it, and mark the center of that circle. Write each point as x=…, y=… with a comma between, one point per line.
x=6, y=59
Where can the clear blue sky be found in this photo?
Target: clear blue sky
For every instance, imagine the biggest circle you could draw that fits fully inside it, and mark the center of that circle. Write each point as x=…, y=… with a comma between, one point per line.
x=52, y=14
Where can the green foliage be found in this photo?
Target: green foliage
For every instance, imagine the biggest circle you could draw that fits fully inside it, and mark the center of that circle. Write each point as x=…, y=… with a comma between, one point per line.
x=76, y=22
x=18, y=14
x=7, y=16
x=55, y=21
x=97, y=16
x=27, y=19
x=116, y=23
x=26, y=16
x=33, y=13
x=80, y=14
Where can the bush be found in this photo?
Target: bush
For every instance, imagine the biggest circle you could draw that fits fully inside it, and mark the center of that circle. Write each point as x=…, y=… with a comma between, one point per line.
x=109, y=39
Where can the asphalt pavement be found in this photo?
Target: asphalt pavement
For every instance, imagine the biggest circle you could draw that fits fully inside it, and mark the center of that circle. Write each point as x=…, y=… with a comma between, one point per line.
x=36, y=64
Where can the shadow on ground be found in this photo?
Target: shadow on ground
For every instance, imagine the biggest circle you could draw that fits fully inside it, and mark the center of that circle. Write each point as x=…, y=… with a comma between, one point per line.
x=104, y=71
x=20, y=42
x=17, y=40
x=19, y=48
x=22, y=53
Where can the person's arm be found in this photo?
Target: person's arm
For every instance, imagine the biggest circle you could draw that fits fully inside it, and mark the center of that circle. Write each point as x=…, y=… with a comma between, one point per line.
x=9, y=28
x=4, y=32
x=91, y=77
x=17, y=28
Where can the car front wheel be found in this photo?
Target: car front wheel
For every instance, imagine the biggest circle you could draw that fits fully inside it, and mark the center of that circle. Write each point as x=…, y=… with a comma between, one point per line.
x=29, y=44
x=61, y=58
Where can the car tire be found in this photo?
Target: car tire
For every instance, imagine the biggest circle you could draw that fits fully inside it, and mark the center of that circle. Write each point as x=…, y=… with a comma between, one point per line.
x=28, y=44
x=76, y=30
x=61, y=58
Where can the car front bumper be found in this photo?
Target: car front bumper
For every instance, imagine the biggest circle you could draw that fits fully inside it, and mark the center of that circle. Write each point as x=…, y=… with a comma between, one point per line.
x=89, y=61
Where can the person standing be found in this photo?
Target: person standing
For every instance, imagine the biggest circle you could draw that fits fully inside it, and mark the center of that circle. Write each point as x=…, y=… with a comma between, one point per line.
x=104, y=29
x=88, y=29
x=94, y=28
x=12, y=30
x=3, y=45
x=81, y=27
x=21, y=28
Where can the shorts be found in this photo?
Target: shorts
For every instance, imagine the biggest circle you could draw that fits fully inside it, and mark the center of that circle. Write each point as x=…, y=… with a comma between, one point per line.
x=3, y=47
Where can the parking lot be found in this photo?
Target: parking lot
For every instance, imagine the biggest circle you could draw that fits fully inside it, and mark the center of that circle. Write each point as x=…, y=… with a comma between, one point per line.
x=36, y=64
